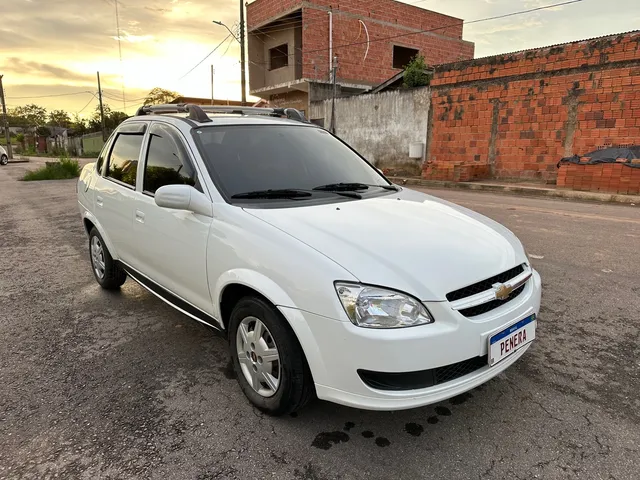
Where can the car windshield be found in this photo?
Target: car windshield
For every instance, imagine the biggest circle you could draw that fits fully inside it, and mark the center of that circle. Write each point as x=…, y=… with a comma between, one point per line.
x=258, y=158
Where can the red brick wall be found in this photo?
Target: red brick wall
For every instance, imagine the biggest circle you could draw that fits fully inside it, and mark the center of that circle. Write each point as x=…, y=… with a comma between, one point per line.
x=520, y=113
x=383, y=18
x=378, y=65
x=261, y=12
x=601, y=177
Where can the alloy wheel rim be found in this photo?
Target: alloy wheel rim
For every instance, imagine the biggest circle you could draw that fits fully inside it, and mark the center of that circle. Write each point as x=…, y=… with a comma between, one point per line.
x=97, y=257
x=259, y=357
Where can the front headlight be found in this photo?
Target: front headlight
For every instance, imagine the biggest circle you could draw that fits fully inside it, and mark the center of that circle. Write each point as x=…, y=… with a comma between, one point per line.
x=375, y=307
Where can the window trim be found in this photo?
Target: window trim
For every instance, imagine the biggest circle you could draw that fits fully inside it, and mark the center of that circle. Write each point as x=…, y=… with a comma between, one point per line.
x=117, y=134
x=178, y=137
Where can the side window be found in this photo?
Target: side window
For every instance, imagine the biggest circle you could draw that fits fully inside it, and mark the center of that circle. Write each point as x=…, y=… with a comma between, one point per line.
x=167, y=160
x=103, y=154
x=123, y=161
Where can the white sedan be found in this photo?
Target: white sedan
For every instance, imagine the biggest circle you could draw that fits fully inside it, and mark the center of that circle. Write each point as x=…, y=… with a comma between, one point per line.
x=325, y=278
x=4, y=157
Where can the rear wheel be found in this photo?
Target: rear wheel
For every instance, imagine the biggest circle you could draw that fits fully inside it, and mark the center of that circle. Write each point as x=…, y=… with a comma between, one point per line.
x=268, y=360
x=4, y=159
x=108, y=273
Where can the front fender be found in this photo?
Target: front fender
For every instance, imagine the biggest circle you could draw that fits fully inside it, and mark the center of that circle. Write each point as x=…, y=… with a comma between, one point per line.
x=254, y=280
x=278, y=297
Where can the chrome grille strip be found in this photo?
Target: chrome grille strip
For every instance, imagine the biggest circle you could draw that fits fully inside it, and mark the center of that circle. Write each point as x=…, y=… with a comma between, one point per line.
x=490, y=294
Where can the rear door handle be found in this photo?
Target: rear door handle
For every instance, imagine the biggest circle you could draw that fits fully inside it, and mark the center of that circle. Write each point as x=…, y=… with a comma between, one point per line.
x=99, y=200
x=139, y=216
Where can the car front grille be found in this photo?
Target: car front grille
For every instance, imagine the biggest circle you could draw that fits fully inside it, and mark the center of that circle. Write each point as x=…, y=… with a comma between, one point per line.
x=487, y=307
x=422, y=378
x=487, y=284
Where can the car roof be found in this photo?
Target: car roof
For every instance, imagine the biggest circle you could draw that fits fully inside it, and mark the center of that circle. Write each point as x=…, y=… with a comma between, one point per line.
x=226, y=119
x=212, y=115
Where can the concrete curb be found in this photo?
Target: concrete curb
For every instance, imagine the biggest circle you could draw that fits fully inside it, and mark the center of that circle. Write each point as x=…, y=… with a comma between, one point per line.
x=520, y=190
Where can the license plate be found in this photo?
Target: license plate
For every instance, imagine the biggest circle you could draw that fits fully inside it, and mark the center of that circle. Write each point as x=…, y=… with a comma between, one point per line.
x=511, y=339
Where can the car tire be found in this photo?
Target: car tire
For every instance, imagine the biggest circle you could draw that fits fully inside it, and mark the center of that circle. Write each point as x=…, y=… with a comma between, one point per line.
x=107, y=272
x=294, y=382
x=4, y=160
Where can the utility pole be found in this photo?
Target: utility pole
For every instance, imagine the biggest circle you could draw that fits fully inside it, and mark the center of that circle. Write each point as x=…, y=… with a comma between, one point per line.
x=243, y=80
x=6, y=122
x=333, y=99
x=212, y=72
x=104, y=131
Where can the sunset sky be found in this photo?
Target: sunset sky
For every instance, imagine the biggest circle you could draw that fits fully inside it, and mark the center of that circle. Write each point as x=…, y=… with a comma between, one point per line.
x=55, y=47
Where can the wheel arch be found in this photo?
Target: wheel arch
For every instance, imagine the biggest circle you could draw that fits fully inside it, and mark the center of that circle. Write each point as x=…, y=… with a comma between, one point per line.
x=236, y=284
x=90, y=221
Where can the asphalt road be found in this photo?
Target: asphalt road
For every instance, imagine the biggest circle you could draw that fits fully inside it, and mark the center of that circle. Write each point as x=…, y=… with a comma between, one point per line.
x=118, y=385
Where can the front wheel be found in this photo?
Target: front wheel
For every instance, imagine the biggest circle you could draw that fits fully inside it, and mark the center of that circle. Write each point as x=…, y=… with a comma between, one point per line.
x=267, y=358
x=108, y=273
x=4, y=159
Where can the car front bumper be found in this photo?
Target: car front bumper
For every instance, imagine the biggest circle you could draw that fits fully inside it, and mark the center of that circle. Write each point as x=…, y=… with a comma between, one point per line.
x=336, y=350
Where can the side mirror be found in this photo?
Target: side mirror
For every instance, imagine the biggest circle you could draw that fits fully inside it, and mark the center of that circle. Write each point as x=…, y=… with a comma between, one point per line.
x=184, y=197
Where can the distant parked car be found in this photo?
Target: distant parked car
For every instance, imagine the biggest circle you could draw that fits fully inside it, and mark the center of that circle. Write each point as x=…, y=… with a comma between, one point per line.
x=325, y=277
x=4, y=158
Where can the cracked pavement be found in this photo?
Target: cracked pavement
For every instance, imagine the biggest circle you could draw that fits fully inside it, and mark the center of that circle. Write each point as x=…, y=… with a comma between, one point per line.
x=120, y=386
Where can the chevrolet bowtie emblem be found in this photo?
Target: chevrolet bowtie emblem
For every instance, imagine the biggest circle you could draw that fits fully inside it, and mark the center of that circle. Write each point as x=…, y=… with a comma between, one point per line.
x=502, y=291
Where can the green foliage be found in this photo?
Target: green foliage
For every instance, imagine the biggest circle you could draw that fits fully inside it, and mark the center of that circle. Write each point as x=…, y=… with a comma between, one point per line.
x=415, y=74
x=59, y=118
x=62, y=170
x=43, y=132
x=111, y=119
x=159, y=96
x=31, y=115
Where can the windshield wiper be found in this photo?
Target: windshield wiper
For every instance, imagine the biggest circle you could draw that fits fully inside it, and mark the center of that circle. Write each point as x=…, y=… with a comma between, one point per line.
x=342, y=187
x=273, y=193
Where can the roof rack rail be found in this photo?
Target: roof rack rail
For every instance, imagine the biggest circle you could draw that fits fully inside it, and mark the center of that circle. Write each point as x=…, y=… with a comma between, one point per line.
x=199, y=112
x=195, y=112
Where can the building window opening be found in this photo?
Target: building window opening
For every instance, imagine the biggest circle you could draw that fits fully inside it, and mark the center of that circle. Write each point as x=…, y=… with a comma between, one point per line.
x=279, y=57
x=403, y=55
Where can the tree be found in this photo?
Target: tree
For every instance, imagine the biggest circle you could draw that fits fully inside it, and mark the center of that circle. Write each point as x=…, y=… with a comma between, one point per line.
x=415, y=73
x=111, y=119
x=158, y=96
x=59, y=118
x=79, y=125
x=31, y=115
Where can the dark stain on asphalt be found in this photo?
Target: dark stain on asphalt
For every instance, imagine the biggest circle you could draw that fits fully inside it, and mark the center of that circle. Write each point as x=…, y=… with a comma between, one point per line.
x=382, y=442
x=414, y=429
x=444, y=411
x=367, y=434
x=326, y=440
x=433, y=420
x=228, y=371
x=348, y=426
x=460, y=399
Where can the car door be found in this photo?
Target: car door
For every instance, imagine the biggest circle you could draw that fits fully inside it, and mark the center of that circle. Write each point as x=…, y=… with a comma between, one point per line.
x=115, y=190
x=170, y=245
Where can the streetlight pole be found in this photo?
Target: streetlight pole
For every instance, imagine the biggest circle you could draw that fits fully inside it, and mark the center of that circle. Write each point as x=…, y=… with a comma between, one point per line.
x=243, y=80
x=240, y=40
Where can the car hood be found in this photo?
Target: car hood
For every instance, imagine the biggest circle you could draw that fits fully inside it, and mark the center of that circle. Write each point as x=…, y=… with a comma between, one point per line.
x=407, y=241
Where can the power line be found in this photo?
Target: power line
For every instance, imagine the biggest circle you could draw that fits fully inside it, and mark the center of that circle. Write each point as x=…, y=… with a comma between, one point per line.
x=207, y=56
x=50, y=96
x=486, y=19
x=90, y=100
x=115, y=2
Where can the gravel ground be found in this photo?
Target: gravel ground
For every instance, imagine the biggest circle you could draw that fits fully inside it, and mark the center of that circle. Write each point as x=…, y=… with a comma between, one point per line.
x=118, y=385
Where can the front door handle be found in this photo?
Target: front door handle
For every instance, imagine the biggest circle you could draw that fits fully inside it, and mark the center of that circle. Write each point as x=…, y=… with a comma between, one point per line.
x=139, y=216
x=99, y=200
